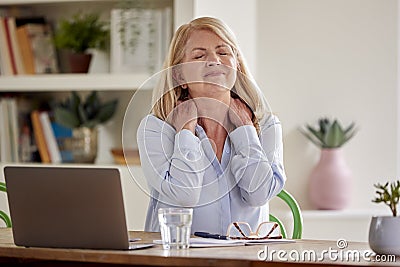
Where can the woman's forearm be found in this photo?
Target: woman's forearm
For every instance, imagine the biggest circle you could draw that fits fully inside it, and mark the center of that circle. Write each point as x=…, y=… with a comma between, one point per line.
x=257, y=168
x=172, y=163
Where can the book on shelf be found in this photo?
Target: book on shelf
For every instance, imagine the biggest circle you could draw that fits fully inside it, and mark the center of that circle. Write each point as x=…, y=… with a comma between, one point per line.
x=50, y=139
x=40, y=138
x=9, y=20
x=26, y=46
x=62, y=135
x=5, y=153
x=5, y=60
x=26, y=50
x=10, y=50
x=37, y=48
x=14, y=49
x=13, y=128
x=9, y=133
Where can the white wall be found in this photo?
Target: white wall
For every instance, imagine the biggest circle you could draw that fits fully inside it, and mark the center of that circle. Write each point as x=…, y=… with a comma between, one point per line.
x=240, y=16
x=316, y=58
x=335, y=58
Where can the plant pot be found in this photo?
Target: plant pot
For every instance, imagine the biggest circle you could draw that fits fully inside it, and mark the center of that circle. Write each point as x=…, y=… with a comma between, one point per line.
x=330, y=181
x=100, y=62
x=384, y=235
x=79, y=63
x=84, y=145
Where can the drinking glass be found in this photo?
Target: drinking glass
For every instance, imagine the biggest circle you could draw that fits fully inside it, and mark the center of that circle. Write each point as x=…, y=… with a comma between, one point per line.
x=175, y=225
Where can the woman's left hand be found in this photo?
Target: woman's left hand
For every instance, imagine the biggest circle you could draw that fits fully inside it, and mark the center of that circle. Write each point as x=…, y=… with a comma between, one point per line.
x=239, y=113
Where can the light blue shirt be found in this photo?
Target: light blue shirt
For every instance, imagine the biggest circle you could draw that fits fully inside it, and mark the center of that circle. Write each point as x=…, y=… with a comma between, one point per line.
x=182, y=170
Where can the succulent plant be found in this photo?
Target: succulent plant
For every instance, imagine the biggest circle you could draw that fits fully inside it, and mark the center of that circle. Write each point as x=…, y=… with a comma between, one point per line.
x=74, y=112
x=329, y=134
x=389, y=196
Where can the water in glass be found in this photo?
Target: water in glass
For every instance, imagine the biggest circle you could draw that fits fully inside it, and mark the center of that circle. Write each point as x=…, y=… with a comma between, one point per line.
x=175, y=225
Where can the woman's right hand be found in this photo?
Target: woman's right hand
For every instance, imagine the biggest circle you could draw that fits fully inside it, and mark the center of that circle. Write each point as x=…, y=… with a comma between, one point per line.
x=184, y=116
x=239, y=113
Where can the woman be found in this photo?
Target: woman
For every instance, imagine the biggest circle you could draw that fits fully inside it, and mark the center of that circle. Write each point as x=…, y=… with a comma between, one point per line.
x=210, y=142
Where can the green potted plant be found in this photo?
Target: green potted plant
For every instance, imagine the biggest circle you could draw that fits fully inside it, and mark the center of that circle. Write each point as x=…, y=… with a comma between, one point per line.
x=78, y=34
x=330, y=180
x=388, y=195
x=83, y=116
x=329, y=134
x=384, y=231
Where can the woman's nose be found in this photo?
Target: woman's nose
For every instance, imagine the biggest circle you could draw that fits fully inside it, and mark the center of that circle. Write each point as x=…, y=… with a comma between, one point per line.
x=213, y=60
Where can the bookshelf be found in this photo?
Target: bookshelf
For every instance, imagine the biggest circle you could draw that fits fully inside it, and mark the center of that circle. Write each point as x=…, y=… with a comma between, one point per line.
x=109, y=85
x=68, y=82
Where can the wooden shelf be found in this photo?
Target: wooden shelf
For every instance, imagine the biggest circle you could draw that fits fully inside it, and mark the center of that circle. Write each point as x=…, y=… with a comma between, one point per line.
x=79, y=165
x=32, y=2
x=336, y=214
x=346, y=213
x=68, y=82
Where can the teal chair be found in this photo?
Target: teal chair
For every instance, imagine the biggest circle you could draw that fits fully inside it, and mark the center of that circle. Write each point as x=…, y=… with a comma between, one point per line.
x=3, y=215
x=296, y=212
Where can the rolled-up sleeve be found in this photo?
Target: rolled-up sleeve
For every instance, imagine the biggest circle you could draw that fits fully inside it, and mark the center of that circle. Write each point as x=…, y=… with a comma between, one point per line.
x=258, y=163
x=173, y=163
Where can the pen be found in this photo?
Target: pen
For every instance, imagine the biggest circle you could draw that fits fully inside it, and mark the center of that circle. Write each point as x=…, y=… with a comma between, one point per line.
x=208, y=235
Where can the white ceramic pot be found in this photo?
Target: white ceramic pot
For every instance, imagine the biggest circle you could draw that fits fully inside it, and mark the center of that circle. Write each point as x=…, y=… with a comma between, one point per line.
x=384, y=235
x=100, y=62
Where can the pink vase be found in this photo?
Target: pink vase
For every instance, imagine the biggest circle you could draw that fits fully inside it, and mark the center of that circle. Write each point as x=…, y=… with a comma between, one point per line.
x=330, y=181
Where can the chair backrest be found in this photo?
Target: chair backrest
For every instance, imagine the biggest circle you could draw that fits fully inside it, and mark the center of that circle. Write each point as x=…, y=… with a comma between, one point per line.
x=296, y=212
x=3, y=215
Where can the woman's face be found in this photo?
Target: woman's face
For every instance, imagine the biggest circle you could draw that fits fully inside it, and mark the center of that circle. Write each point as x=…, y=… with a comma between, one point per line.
x=209, y=65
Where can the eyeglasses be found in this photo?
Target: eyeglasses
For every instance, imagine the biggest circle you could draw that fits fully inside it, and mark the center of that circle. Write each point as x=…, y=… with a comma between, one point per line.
x=242, y=230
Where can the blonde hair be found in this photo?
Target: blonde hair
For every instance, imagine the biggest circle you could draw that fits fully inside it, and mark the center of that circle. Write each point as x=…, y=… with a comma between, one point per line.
x=167, y=91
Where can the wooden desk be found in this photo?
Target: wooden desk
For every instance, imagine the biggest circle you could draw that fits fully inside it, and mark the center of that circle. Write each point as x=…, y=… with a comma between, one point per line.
x=10, y=255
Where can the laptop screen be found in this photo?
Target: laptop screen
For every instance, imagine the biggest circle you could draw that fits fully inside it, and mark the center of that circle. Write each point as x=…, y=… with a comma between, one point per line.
x=66, y=207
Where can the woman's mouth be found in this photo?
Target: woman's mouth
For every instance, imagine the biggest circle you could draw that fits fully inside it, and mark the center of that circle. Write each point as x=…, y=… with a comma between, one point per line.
x=214, y=73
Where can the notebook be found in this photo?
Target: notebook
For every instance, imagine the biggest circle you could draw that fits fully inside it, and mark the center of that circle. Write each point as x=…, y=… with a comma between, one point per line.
x=67, y=207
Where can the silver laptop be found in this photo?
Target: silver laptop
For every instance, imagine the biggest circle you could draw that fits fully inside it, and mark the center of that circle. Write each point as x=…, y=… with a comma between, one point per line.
x=67, y=207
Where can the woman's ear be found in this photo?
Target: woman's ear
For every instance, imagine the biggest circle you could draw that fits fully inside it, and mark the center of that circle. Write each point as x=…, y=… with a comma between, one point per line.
x=238, y=65
x=237, y=58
